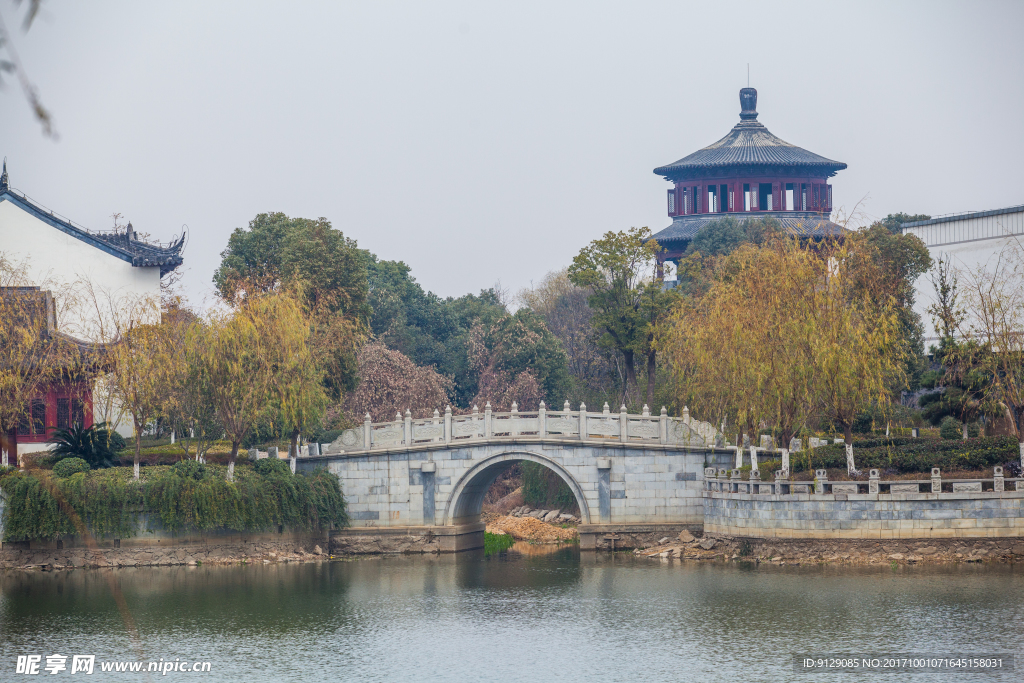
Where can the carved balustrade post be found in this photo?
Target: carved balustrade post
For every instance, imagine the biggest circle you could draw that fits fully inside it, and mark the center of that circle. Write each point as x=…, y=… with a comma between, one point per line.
x=448, y=424
x=437, y=422
x=583, y=421
x=367, y=432
x=487, y=420
x=542, y=425
x=408, y=427
x=664, y=425
x=513, y=420
x=623, y=423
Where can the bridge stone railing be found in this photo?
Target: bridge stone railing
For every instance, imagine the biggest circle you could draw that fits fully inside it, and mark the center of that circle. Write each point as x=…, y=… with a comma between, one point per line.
x=406, y=432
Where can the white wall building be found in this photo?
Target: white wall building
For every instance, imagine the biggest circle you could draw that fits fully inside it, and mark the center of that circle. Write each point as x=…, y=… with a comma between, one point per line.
x=95, y=271
x=967, y=241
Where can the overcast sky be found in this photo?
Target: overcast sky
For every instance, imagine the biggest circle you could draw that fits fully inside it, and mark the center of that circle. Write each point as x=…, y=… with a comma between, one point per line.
x=480, y=141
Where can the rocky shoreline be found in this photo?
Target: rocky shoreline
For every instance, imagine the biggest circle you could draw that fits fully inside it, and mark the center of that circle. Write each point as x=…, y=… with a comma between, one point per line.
x=149, y=556
x=838, y=551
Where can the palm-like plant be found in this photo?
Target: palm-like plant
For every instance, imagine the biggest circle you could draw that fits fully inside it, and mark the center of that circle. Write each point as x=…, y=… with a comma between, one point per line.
x=94, y=444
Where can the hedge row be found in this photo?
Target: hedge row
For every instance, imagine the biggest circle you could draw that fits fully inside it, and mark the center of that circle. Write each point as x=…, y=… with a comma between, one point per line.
x=109, y=502
x=913, y=455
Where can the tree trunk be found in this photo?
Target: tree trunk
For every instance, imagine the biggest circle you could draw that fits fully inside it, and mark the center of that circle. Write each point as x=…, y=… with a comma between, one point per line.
x=964, y=431
x=5, y=448
x=630, y=374
x=848, y=442
x=138, y=447
x=231, y=460
x=293, y=449
x=651, y=367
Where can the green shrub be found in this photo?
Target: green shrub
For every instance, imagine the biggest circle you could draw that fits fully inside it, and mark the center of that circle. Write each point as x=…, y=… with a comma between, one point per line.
x=110, y=502
x=497, y=543
x=68, y=466
x=543, y=488
x=951, y=428
x=271, y=466
x=329, y=436
x=913, y=455
x=190, y=469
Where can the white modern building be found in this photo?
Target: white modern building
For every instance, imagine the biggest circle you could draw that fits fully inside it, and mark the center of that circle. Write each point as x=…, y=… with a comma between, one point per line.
x=94, y=271
x=967, y=241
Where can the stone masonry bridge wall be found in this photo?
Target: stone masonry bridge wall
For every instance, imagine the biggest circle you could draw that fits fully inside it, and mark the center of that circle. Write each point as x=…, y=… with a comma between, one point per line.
x=427, y=478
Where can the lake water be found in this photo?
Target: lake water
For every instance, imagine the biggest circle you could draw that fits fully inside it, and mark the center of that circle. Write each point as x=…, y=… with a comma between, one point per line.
x=524, y=616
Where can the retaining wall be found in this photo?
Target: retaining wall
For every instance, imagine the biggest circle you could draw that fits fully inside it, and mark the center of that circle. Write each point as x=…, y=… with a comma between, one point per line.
x=865, y=516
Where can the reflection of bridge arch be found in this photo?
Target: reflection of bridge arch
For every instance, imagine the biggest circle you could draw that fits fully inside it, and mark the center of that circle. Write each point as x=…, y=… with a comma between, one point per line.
x=467, y=498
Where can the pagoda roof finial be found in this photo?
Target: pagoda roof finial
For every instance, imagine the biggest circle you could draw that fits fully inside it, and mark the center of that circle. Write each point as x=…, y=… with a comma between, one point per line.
x=4, y=182
x=748, y=103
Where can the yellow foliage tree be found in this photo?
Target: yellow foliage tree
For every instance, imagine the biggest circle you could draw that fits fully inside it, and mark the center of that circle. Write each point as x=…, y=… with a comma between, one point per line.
x=782, y=333
x=258, y=360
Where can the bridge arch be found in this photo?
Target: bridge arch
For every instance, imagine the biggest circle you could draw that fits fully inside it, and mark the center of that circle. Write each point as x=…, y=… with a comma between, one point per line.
x=467, y=498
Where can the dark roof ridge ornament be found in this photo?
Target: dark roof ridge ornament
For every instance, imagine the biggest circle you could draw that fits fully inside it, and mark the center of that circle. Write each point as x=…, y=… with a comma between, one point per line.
x=748, y=104
x=4, y=182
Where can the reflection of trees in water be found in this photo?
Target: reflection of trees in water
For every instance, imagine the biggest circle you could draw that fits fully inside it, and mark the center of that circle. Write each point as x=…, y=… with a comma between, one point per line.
x=274, y=597
x=549, y=567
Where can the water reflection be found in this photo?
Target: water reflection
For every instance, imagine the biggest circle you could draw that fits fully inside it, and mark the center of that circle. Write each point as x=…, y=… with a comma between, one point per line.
x=518, y=616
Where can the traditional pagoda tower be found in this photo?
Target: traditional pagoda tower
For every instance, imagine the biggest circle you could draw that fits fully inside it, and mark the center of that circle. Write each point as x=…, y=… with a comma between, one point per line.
x=748, y=173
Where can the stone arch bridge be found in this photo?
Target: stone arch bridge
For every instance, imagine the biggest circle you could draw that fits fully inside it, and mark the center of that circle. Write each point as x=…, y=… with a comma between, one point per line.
x=630, y=474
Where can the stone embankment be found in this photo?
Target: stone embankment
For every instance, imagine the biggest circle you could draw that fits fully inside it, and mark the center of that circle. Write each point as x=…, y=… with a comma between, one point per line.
x=143, y=556
x=805, y=552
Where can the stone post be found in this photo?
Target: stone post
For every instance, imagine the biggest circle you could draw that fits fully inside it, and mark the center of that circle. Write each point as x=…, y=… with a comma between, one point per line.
x=915, y=432
x=664, y=425
x=253, y=454
x=873, y=482
x=448, y=424
x=408, y=427
x=314, y=450
x=513, y=422
x=820, y=480
x=936, y=480
x=367, y=432
x=646, y=412
x=542, y=420
x=272, y=453
x=6, y=458
x=753, y=460
x=477, y=432
x=785, y=459
x=796, y=445
x=583, y=421
x=487, y=420
x=709, y=474
x=998, y=485
x=686, y=415
x=734, y=481
x=624, y=423
x=780, y=477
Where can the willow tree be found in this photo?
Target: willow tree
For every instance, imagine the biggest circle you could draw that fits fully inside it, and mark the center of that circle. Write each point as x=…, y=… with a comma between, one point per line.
x=140, y=360
x=784, y=333
x=856, y=345
x=741, y=350
x=252, y=356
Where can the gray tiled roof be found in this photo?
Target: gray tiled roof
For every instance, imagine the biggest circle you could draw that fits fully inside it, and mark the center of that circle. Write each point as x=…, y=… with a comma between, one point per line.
x=799, y=223
x=749, y=143
x=125, y=246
